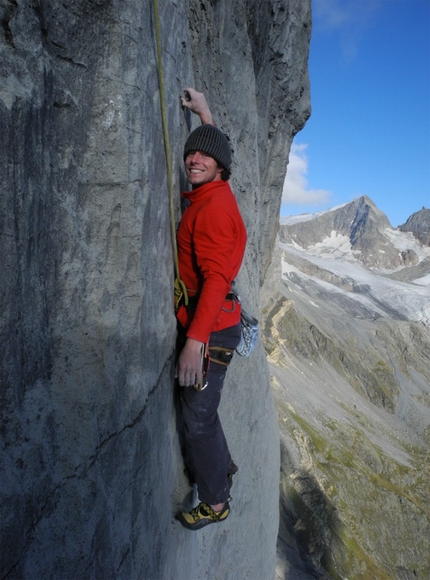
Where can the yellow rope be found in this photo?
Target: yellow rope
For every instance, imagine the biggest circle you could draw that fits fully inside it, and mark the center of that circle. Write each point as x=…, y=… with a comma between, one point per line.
x=180, y=288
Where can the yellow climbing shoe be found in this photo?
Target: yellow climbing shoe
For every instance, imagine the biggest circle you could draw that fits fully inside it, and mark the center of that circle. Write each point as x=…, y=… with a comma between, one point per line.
x=202, y=516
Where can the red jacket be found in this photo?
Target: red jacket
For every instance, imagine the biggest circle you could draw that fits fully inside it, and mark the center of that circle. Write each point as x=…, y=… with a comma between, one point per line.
x=211, y=245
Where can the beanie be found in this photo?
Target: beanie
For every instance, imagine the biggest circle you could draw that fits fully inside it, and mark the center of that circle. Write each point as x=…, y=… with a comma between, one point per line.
x=212, y=141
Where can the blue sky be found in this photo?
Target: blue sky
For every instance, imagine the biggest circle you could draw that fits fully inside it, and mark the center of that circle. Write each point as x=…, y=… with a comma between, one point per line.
x=369, y=132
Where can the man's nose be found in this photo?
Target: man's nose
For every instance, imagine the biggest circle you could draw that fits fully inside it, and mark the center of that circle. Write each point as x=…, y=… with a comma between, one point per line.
x=195, y=157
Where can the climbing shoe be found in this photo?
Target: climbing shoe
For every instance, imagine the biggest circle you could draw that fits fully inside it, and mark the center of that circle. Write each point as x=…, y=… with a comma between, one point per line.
x=230, y=479
x=202, y=516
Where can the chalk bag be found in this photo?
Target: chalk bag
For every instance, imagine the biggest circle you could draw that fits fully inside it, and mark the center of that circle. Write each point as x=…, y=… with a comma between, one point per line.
x=248, y=334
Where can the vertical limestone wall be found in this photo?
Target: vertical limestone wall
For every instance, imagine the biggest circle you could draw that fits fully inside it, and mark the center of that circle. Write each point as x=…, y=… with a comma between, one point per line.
x=90, y=458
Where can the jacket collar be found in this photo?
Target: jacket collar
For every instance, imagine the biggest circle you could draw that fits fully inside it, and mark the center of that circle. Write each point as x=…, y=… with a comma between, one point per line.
x=204, y=191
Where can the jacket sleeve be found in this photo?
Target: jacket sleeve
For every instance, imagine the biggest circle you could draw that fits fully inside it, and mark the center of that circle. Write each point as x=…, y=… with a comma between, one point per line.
x=215, y=238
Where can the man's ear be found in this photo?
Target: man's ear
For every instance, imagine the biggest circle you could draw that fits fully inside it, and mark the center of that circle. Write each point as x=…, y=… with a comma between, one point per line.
x=225, y=175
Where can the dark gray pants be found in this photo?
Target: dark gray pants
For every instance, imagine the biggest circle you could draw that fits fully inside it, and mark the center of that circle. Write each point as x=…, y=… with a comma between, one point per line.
x=208, y=456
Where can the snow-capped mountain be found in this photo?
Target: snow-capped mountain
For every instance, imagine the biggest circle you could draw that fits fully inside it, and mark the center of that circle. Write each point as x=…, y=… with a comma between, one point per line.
x=352, y=253
x=367, y=232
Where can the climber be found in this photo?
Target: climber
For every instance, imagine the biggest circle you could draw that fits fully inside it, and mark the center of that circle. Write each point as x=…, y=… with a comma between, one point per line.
x=211, y=244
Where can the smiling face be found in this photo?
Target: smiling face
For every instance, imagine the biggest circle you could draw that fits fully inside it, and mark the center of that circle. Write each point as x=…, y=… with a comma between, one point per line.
x=201, y=168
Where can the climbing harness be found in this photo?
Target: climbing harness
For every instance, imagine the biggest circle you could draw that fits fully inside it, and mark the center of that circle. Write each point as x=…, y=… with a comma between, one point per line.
x=220, y=355
x=180, y=288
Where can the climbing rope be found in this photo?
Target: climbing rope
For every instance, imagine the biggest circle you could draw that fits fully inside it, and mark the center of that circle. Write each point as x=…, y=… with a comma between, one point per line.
x=180, y=288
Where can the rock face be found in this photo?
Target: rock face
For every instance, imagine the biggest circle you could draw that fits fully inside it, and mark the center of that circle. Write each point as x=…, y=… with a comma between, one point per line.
x=348, y=347
x=91, y=462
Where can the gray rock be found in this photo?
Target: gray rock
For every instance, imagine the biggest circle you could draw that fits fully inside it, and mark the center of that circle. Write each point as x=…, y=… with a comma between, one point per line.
x=91, y=461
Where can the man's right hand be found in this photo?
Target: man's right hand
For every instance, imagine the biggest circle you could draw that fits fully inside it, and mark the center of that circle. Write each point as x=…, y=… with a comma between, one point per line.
x=197, y=104
x=189, y=365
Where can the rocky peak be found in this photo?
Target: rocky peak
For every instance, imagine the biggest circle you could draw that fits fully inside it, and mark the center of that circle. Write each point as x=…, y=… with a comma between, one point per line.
x=419, y=224
x=365, y=218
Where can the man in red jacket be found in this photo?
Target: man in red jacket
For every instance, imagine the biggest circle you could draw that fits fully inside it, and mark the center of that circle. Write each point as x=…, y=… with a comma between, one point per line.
x=211, y=244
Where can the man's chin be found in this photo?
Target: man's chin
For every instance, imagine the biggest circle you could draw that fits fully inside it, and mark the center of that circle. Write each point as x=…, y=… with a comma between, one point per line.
x=197, y=182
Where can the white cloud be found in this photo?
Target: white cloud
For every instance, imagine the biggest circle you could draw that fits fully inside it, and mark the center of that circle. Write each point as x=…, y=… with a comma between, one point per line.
x=296, y=185
x=342, y=14
x=331, y=14
x=349, y=19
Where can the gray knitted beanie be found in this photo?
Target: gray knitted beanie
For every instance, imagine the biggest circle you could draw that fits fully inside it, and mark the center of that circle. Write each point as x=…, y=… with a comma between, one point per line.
x=211, y=141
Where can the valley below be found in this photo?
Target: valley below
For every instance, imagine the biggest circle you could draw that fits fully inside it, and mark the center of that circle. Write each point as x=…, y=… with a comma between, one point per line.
x=347, y=340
